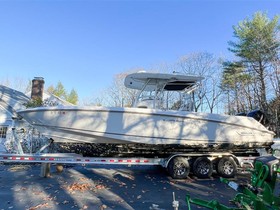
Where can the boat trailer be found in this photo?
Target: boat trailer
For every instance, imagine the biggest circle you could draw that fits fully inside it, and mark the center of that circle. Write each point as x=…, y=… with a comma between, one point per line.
x=263, y=193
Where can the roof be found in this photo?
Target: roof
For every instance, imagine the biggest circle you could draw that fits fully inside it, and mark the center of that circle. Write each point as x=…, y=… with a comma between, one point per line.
x=11, y=99
x=52, y=99
x=7, y=93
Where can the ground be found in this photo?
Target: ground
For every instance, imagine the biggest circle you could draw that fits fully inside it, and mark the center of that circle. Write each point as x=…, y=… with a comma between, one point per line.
x=103, y=187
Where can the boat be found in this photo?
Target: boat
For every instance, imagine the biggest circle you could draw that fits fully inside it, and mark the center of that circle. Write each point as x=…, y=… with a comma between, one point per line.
x=151, y=124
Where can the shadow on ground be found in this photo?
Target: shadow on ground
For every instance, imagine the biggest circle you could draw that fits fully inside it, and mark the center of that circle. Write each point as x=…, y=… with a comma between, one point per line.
x=102, y=187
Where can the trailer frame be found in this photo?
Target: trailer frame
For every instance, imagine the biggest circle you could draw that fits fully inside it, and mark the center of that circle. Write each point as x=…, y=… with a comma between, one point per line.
x=46, y=159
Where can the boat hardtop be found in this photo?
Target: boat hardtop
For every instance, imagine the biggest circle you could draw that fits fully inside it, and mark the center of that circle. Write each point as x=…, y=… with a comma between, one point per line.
x=170, y=82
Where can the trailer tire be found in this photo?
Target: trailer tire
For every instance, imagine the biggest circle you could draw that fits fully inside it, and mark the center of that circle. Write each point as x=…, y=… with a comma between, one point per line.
x=227, y=167
x=178, y=168
x=202, y=167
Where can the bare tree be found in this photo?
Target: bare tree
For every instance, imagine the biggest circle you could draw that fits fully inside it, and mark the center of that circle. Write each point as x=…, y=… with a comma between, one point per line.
x=213, y=94
x=20, y=84
x=117, y=94
x=203, y=64
x=274, y=76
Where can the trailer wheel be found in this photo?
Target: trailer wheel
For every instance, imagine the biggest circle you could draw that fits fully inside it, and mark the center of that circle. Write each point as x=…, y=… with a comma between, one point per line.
x=227, y=167
x=202, y=167
x=178, y=168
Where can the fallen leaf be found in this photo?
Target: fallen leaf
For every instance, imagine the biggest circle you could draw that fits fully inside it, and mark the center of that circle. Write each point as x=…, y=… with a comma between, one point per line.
x=65, y=202
x=43, y=205
x=100, y=187
x=103, y=206
x=78, y=187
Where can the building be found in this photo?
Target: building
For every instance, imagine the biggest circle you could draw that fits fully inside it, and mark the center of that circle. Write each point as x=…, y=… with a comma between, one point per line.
x=12, y=100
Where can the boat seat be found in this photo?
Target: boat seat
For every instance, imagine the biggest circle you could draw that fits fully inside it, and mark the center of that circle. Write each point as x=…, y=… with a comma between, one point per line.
x=147, y=103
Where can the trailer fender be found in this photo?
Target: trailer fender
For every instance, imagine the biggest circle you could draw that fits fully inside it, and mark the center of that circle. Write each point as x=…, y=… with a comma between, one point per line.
x=167, y=160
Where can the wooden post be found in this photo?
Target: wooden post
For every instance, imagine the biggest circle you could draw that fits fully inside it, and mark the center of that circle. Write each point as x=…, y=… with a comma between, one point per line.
x=45, y=170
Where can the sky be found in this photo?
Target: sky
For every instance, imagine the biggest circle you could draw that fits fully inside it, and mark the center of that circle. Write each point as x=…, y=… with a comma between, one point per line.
x=84, y=43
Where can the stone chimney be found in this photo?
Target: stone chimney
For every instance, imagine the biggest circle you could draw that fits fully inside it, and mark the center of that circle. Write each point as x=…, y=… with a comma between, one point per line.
x=37, y=88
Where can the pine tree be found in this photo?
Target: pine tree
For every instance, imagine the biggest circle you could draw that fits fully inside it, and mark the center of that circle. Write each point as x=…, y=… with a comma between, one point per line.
x=60, y=91
x=257, y=46
x=72, y=97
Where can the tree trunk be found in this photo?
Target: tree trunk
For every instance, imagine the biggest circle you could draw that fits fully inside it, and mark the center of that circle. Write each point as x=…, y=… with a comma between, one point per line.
x=263, y=101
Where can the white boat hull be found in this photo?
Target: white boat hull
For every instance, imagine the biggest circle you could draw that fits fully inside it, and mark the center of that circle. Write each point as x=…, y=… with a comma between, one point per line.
x=101, y=125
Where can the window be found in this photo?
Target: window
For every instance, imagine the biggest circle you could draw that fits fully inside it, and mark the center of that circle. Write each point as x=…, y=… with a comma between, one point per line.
x=3, y=132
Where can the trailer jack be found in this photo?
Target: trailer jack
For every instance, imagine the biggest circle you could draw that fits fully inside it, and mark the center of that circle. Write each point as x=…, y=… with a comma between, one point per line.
x=261, y=194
